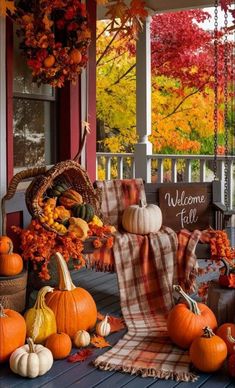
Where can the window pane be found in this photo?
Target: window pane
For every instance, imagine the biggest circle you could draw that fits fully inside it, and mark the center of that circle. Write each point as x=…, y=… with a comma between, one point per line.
x=32, y=133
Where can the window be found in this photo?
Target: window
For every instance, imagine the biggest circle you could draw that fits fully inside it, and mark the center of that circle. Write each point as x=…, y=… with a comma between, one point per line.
x=34, y=117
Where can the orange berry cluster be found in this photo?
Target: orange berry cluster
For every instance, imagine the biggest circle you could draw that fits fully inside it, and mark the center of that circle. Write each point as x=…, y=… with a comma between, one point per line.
x=220, y=246
x=38, y=245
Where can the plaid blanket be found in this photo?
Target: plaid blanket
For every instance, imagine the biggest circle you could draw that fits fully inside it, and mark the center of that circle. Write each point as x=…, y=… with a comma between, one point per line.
x=147, y=268
x=118, y=194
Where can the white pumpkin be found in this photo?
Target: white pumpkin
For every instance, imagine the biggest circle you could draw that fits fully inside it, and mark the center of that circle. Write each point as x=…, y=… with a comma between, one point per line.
x=81, y=338
x=103, y=328
x=142, y=218
x=31, y=360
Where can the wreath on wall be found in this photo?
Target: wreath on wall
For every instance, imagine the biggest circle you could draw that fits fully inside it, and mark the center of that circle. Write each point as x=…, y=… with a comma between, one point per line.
x=54, y=39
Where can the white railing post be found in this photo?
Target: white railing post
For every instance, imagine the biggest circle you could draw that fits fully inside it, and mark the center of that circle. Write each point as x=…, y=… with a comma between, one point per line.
x=143, y=103
x=3, y=161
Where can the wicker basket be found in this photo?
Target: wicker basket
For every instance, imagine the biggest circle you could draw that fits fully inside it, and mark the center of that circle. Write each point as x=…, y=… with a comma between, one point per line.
x=69, y=171
x=13, y=291
x=73, y=175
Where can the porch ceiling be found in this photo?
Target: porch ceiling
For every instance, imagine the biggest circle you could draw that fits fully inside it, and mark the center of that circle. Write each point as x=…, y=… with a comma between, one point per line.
x=156, y=6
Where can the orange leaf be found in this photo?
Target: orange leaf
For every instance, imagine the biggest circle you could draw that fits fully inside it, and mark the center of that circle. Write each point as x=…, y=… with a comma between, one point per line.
x=116, y=323
x=100, y=316
x=80, y=356
x=99, y=342
x=6, y=5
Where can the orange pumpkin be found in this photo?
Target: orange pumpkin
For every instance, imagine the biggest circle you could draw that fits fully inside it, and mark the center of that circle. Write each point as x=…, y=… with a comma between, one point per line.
x=49, y=61
x=186, y=321
x=75, y=56
x=222, y=333
x=59, y=344
x=6, y=245
x=10, y=264
x=208, y=352
x=12, y=332
x=74, y=307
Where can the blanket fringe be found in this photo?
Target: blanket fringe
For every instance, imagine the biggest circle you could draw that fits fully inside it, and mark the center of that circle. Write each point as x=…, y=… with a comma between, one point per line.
x=99, y=266
x=147, y=372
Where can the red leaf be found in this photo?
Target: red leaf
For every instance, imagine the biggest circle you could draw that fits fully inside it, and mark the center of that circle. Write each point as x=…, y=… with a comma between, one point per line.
x=224, y=4
x=80, y=356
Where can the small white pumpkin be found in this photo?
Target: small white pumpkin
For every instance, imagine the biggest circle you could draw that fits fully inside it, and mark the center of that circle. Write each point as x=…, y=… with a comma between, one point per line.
x=31, y=360
x=142, y=218
x=81, y=338
x=103, y=328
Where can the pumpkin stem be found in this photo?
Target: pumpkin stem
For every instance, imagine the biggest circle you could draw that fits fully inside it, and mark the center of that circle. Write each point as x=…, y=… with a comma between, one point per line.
x=208, y=332
x=31, y=345
x=191, y=303
x=142, y=203
x=40, y=302
x=2, y=314
x=65, y=281
x=229, y=335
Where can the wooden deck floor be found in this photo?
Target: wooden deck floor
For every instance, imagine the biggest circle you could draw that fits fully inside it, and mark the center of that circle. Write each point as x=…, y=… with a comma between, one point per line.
x=103, y=287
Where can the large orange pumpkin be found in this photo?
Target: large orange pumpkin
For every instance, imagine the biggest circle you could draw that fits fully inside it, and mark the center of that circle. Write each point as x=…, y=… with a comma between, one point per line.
x=208, y=352
x=10, y=264
x=6, y=245
x=12, y=332
x=186, y=321
x=222, y=333
x=74, y=307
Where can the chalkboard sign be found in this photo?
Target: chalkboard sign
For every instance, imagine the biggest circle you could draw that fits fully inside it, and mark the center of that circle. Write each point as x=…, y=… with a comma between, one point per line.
x=185, y=206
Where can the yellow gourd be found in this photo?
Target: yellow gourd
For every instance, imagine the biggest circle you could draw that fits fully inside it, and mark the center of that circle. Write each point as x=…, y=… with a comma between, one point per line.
x=79, y=227
x=62, y=213
x=96, y=221
x=40, y=319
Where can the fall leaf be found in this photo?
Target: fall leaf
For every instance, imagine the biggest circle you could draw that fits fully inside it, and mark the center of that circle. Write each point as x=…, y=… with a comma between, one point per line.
x=6, y=5
x=137, y=8
x=100, y=316
x=86, y=126
x=117, y=10
x=80, y=356
x=47, y=22
x=99, y=342
x=225, y=4
x=116, y=323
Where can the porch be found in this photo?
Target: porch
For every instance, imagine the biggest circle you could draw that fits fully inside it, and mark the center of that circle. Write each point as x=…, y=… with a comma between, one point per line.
x=103, y=287
x=142, y=163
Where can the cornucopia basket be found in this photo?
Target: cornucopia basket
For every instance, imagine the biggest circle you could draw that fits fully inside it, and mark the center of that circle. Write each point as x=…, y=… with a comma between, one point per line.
x=67, y=172
x=71, y=174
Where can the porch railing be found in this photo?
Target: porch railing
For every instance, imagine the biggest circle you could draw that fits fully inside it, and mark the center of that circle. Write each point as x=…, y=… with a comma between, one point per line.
x=169, y=168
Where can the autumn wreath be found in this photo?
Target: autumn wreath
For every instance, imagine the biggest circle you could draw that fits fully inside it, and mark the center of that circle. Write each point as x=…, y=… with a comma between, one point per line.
x=55, y=38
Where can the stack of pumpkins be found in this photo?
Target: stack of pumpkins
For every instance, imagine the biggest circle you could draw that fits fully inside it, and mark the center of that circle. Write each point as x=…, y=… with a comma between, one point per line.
x=59, y=317
x=11, y=263
x=13, y=277
x=193, y=326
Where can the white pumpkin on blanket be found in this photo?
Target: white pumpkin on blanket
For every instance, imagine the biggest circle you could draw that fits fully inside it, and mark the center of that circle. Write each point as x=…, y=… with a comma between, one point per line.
x=142, y=218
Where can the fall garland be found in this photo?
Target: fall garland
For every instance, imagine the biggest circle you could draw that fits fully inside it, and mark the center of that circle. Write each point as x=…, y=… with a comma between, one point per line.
x=55, y=38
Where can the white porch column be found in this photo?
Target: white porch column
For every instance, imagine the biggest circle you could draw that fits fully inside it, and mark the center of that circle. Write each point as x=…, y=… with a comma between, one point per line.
x=3, y=169
x=143, y=103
